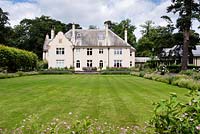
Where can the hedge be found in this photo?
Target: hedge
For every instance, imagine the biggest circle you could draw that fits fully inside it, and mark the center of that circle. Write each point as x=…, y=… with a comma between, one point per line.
x=13, y=59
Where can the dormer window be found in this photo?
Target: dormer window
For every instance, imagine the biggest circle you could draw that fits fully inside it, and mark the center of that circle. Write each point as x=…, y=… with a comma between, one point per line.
x=78, y=35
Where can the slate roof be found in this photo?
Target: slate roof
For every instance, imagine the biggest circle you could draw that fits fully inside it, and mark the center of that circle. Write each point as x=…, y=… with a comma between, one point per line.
x=91, y=37
x=196, y=52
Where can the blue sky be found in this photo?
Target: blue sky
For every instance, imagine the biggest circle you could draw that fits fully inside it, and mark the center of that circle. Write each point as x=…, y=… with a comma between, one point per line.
x=90, y=12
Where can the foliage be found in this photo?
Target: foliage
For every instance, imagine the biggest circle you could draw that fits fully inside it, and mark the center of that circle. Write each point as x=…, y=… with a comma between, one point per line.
x=118, y=28
x=30, y=33
x=15, y=59
x=5, y=31
x=17, y=74
x=42, y=65
x=187, y=10
x=89, y=69
x=173, y=117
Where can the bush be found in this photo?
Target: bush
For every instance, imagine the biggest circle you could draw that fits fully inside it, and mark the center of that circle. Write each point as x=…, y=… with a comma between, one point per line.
x=55, y=72
x=18, y=74
x=174, y=68
x=42, y=65
x=173, y=117
x=89, y=69
x=14, y=59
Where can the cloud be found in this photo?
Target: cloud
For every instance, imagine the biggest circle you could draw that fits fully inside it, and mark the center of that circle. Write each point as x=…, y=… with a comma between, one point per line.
x=87, y=12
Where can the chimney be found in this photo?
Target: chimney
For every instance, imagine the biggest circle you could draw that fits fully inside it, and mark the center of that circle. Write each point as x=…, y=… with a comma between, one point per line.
x=106, y=36
x=52, y=33
x=73, y=33
x=47, y=37
x=126, y=35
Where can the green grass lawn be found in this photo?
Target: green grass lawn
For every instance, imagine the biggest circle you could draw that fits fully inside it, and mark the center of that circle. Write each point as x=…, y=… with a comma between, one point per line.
x=118, y=99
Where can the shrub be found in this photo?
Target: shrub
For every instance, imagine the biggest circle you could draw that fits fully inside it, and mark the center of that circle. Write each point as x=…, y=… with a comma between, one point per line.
x=174, y=68
x=173, y=117
x=141, y=74
x=15, y=59
x=89, y=69
x=42, y=65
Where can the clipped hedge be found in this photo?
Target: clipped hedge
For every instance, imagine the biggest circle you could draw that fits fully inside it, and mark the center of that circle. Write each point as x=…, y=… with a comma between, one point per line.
x=13, y=59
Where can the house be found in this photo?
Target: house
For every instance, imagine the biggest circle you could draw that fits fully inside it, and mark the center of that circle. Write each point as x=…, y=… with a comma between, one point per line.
x=80, y=48
x=196, y=56
x=174, y=54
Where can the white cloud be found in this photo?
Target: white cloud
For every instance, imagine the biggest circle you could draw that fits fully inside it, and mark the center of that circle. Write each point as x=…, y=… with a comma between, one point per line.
x=86, y=12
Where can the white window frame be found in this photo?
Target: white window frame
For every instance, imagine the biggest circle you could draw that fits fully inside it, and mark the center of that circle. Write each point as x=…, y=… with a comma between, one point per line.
x=101, y=64
x=100, y=51
x=118, y=51
x=117, y=63
x=89, y=63
x=60, y=51
x=60, y=63
x=78, y=64
x=89, y=51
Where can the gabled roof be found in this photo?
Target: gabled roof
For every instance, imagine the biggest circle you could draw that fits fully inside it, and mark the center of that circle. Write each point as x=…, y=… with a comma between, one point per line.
x=196, y=52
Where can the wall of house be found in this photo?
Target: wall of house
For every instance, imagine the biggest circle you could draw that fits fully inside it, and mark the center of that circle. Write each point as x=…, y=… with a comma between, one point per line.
x=68, y=53
x=196, y=61
x=81, y=55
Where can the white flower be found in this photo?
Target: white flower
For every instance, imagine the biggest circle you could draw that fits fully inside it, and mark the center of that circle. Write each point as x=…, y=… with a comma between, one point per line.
x=198, y=127
x=70, y=113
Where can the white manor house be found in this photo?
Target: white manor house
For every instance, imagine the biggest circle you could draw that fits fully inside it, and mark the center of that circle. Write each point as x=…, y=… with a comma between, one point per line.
x=80, y=48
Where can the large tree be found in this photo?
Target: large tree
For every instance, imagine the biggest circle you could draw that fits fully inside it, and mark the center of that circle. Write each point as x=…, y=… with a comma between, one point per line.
x=30, y=33
x=118, y=28
x=187, y=10
x=5, y=30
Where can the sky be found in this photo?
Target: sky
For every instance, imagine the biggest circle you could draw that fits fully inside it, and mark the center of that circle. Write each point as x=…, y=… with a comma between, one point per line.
x=91, y=12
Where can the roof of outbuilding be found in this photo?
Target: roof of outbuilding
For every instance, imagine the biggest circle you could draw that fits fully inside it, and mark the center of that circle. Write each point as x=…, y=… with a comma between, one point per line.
x=196, y=52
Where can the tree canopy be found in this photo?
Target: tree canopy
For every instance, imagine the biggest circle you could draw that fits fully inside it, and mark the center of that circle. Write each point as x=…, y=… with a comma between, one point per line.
x=118, y=28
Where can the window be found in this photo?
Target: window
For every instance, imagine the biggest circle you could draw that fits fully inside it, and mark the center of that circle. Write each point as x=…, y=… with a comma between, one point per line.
x=89, y=51
x=78, y=35
x=60, y=51
x=100, y=51
x=131, y=53
x=131, y=64
x=118, y=51
x=117, y=63
x=60, y=63
x=78, y=49
x=89, y=63
x=78, y=64
x=60, y=41
x=101, y=64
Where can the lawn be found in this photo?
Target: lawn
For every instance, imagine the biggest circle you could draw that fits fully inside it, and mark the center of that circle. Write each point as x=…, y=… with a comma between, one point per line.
x=118, y=99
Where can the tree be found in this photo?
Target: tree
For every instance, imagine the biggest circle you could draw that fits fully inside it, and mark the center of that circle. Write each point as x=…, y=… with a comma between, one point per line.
x=118, y=28
x=92, y=27
x=188, y=10
x=5, y=30
x=30, y=33
x=147, y=27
